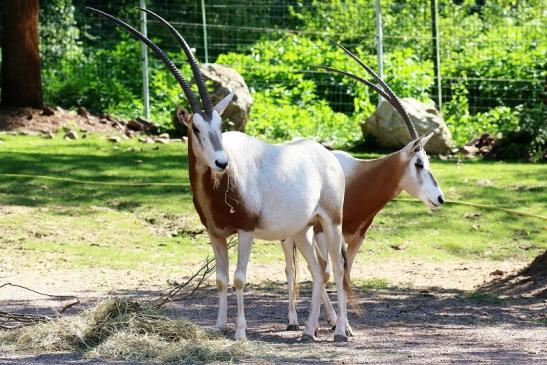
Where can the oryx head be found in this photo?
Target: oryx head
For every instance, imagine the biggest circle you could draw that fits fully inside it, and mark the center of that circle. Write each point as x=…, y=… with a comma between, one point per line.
x=417, y=179
x=205, y=123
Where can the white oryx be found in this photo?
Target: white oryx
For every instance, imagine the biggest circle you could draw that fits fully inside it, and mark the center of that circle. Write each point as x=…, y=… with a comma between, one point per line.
x=257, y=190
x=370, y=185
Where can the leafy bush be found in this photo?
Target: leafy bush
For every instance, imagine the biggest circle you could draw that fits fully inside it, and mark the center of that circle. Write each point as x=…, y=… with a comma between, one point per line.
x=493, y=60
x=291, y=94
x=465, y=126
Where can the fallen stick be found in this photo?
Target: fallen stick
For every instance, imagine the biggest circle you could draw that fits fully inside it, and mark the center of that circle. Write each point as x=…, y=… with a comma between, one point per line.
x=29, y=319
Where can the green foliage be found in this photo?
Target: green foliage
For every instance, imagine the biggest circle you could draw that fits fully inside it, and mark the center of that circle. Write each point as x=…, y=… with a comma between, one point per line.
x=98, y=80
x=291, y=94
x=465, y=126
x=275, y=117
x=493, y=63
x=59, y=33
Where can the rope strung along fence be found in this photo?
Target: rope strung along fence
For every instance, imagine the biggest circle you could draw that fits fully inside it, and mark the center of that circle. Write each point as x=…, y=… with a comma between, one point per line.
x=183, y=186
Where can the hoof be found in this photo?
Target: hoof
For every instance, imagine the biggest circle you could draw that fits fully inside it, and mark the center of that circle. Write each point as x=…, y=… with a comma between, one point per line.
x=340, y=338
x=221, y=330
x=240, y=335
x=293, y=327
x=333, y=328
x=349, y=332
x=307, y=338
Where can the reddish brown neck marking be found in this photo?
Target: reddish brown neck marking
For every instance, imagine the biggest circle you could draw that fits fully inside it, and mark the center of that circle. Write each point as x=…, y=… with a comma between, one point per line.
x=373, y=184
x=210, y=199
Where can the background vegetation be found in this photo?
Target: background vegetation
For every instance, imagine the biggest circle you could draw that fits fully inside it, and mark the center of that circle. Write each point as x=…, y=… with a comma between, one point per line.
x=493, y=62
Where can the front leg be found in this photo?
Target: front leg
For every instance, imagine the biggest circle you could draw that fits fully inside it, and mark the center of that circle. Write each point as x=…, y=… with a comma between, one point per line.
x=221, y=260
x=244, y=245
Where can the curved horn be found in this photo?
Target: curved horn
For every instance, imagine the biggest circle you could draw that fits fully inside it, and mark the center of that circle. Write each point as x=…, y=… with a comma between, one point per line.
x=159, y=53
x=206, y=101
x=393, y=99
x=358, y=78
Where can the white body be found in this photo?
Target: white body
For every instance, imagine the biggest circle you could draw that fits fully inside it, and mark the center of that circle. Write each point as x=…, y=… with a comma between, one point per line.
x=273, y=177
x=410, y=169
x=286, y=189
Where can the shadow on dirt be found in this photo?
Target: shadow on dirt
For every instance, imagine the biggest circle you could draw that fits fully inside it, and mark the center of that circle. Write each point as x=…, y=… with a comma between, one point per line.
x=397, y=324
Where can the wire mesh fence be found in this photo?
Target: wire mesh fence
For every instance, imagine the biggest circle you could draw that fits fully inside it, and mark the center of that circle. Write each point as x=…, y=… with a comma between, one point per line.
x=488, y=52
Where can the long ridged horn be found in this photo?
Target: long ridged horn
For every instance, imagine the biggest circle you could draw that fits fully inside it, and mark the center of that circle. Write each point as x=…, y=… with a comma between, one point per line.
x=204, y=94
x=159, y=53
x=392, y=98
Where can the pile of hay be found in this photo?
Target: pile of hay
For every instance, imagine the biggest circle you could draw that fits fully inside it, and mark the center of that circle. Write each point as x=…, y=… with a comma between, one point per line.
x=121, y=329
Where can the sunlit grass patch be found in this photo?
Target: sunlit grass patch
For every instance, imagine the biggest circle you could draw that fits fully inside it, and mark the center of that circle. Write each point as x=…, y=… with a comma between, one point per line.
x=372, y=284
x=78, y=225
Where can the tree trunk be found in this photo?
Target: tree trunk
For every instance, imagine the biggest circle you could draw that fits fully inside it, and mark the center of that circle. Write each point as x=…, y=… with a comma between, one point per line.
x=21, y=81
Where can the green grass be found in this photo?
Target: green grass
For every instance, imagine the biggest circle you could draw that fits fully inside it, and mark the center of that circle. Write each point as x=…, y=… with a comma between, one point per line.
x=124, y=226
x=372, y=284
x=485, y=298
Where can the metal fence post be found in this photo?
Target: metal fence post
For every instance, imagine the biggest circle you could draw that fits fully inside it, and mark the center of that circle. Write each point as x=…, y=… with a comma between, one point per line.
x=204, y=23
x=144, y=56
x=436, y=52
x=379, y=42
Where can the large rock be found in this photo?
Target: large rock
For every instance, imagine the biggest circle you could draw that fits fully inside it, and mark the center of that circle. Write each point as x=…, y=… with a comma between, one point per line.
x=389, y=129
x=224, y=79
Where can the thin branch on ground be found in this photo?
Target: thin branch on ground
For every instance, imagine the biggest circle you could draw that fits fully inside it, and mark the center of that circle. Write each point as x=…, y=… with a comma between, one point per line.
x=193, y=283
x=20, y=319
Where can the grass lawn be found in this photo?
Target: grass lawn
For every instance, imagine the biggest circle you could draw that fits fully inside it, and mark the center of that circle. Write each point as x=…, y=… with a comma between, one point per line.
x=117, y=223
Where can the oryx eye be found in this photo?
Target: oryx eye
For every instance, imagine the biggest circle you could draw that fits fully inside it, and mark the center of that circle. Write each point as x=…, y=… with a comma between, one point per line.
x=196, y=131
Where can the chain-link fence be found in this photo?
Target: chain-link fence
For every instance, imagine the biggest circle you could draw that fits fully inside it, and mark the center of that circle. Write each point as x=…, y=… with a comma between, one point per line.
x=489, y=53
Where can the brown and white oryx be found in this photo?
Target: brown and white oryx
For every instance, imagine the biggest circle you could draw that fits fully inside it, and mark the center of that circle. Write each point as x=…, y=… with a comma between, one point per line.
x=370, y=185
x=257, y=190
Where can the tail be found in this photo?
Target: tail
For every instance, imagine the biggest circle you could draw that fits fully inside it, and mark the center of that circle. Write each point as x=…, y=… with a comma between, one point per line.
x=347, y=285
x=296, y=284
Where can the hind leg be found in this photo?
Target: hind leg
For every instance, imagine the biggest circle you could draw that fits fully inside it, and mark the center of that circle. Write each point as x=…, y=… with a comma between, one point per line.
x=290, y=271
x=334, y=238
x=305, y=245
x=323, y=255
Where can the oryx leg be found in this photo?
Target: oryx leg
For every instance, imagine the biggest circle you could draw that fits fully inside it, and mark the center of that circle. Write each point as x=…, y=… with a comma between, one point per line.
x=353, y=248
x=304, y=244
x=290, y=271
x=333, y=234
x=323, y=258
x=221, y=260
x=245, y=242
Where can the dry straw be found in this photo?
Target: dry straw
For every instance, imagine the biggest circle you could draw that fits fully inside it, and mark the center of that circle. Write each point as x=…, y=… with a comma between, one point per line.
x=126, y=330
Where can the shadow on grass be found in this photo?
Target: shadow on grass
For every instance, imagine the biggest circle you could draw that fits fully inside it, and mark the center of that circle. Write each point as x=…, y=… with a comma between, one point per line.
x=121, y=167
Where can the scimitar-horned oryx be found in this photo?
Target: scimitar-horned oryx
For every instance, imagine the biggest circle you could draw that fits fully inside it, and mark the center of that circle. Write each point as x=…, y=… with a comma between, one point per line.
x=370, y=185
x=257, y=190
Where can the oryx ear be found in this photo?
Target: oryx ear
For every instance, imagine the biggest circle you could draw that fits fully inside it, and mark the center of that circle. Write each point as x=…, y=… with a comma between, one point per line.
x=413, y=146
x=184, y=116
x=224, y=103
x=426, y=139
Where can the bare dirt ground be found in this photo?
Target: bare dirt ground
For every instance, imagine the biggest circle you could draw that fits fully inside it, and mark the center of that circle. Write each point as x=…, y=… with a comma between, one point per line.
x=51, y=119
x=426, y=314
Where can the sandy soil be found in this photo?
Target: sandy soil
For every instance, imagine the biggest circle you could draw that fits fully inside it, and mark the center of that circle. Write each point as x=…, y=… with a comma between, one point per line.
x=425, y=315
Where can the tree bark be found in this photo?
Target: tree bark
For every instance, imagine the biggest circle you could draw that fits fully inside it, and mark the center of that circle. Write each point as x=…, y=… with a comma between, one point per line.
x=21, y=80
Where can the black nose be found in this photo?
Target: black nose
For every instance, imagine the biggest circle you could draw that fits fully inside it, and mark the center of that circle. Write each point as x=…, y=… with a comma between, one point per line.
x=441, y=200
x=221, y=165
